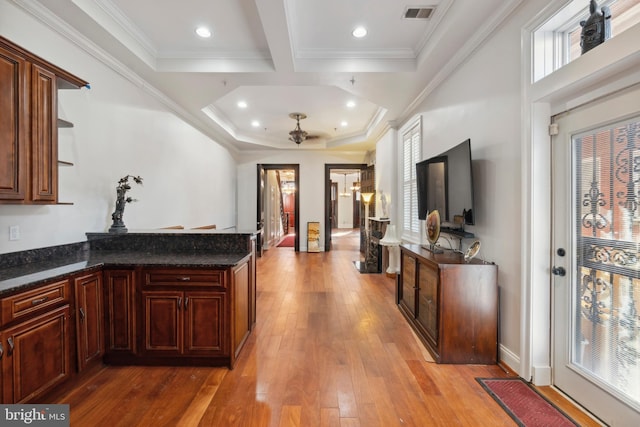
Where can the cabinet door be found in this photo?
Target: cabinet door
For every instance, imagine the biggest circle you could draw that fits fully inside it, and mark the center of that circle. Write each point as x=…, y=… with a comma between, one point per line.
x=119, y=305
x=428, y=303
x=36, y=355
x=89, y=319
x=162, y=319
x=44, y=136
x=13, y=130
x=408, y=295
x=204, y=323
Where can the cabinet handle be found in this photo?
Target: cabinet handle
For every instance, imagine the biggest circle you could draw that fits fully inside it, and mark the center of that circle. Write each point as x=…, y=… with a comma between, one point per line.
x=184, y=278
x=179, y=302
x=186, y=301
x=1, y=351
x=11, y=346
x=82, y=315
x=39, y=300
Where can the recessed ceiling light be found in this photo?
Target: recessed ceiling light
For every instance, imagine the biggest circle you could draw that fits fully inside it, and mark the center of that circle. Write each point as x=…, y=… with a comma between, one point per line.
x=255, y=123
x=344, y=123
x=242, y=104
x=351, y=104
x=203, y=32
x=359, y=32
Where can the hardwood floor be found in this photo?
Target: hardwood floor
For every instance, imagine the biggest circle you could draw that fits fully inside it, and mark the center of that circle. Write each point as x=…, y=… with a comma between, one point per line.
x=330, y=349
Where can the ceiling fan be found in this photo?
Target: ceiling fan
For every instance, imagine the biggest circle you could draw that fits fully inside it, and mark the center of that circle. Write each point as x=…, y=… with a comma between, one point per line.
x=298, y=135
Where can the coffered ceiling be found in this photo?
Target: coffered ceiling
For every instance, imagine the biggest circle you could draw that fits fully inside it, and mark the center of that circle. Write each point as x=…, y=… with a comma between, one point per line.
x=284, y=56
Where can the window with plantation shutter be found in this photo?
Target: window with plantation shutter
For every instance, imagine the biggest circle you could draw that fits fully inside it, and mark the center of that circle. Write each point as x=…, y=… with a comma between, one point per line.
x=411, y=152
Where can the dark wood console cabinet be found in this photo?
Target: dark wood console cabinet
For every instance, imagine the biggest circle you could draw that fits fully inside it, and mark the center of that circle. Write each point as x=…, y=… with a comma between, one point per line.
x=452, y=305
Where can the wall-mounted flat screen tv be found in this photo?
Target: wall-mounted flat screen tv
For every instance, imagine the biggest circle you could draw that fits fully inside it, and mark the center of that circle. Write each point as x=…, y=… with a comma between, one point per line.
x=445, y=182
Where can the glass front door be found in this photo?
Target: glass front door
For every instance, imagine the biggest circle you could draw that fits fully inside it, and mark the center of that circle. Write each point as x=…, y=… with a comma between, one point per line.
x=596, y=265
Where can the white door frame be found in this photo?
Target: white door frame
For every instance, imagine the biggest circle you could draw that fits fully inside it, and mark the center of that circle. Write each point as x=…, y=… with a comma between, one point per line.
x=604, y=70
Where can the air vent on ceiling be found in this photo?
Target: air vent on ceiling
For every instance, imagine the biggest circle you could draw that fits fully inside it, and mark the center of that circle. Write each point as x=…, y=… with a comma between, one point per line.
x=423, y=12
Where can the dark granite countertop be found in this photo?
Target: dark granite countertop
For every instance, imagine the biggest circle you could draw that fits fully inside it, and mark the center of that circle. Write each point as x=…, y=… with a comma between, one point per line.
x=31, y=275
x=193, y=249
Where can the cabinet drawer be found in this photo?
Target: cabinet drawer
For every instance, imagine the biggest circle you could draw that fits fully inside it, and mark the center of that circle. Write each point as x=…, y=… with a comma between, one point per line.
x=23, y=304
x=173, y=277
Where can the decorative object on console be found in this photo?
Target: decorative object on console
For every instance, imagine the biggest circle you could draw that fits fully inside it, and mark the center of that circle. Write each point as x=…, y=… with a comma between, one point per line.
x=391, y=241
x=472, y=251
x=432, y=228
x=121, y=201
x=596, y=28
x=383, y=204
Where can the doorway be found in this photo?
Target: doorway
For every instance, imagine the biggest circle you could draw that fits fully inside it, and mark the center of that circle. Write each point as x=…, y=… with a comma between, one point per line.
x=596, y=267
x=278, y=205
x=333, y=190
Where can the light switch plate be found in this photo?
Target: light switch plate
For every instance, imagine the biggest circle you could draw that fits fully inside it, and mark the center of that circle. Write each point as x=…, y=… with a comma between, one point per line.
x=14, y=232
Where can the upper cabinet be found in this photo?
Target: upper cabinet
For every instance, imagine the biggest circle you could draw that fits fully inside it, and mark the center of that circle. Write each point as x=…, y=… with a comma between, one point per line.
x=29, y=125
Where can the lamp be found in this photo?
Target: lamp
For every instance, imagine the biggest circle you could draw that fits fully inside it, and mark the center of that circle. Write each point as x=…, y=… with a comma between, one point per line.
x=344, y=192
x=297, y=135
x=356, y=186
x=392, y=242
x=366, y=198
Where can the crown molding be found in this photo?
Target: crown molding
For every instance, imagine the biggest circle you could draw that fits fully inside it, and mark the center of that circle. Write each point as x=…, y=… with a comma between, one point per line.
x=49, y=19
x=463, y=54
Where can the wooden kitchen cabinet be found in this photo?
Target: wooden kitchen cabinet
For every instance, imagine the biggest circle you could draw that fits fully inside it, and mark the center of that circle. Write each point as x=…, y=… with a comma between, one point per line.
x=452, y=305
x=185, y=312
x=35, y=342
x=242, y=309
x=184, y=323
x=13, y=125
x=89, y=319
x=196, y=315
x=119, y=316
x=29, y=125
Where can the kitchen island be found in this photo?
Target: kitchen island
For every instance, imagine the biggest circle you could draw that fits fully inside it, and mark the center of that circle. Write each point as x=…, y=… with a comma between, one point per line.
x=159, y=297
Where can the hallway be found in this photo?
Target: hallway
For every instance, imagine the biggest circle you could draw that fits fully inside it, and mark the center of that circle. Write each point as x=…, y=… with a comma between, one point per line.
x=330, y=348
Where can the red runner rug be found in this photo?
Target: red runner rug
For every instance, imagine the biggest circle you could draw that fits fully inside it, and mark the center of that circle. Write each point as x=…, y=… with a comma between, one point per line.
x=287, y=242
x=524, y=404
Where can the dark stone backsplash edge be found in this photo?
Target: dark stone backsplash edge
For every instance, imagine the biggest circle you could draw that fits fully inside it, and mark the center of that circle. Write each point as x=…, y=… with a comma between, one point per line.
x=77, y=250
x=163, y=243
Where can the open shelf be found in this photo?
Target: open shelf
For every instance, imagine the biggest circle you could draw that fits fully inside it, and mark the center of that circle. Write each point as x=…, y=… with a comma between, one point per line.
x=64, y=123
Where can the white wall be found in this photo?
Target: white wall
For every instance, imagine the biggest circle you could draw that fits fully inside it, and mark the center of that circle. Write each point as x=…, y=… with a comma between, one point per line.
x=482, y=100
x=311, y=191
x=119, y=130
x=386, y=171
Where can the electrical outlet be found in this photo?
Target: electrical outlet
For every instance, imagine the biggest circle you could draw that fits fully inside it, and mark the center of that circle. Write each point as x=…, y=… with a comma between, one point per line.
x=14, y=232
